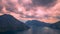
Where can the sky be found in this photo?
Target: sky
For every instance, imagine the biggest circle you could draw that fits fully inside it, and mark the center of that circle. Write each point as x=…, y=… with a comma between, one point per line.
x=33, y=10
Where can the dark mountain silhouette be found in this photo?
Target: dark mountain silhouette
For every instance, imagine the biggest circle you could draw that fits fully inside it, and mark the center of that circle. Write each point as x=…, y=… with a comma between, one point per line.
x=37, y=23
x=43, y=28
x=9, y=23
x=42, y=24
x=56, y=25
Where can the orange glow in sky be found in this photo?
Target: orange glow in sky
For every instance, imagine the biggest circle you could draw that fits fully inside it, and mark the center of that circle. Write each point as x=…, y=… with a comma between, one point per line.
x=23, y=10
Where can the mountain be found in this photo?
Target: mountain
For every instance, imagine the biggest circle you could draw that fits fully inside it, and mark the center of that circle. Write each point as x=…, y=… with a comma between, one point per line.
x=9, y=23
x=37, y=23
x=43, y=24
x=56, y=25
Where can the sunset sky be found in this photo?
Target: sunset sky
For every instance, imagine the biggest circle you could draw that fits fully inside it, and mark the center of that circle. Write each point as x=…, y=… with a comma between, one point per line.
x=31, y=10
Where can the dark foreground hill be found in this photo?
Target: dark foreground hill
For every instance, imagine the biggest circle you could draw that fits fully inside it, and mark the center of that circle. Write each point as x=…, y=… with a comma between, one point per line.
x=9, y=23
